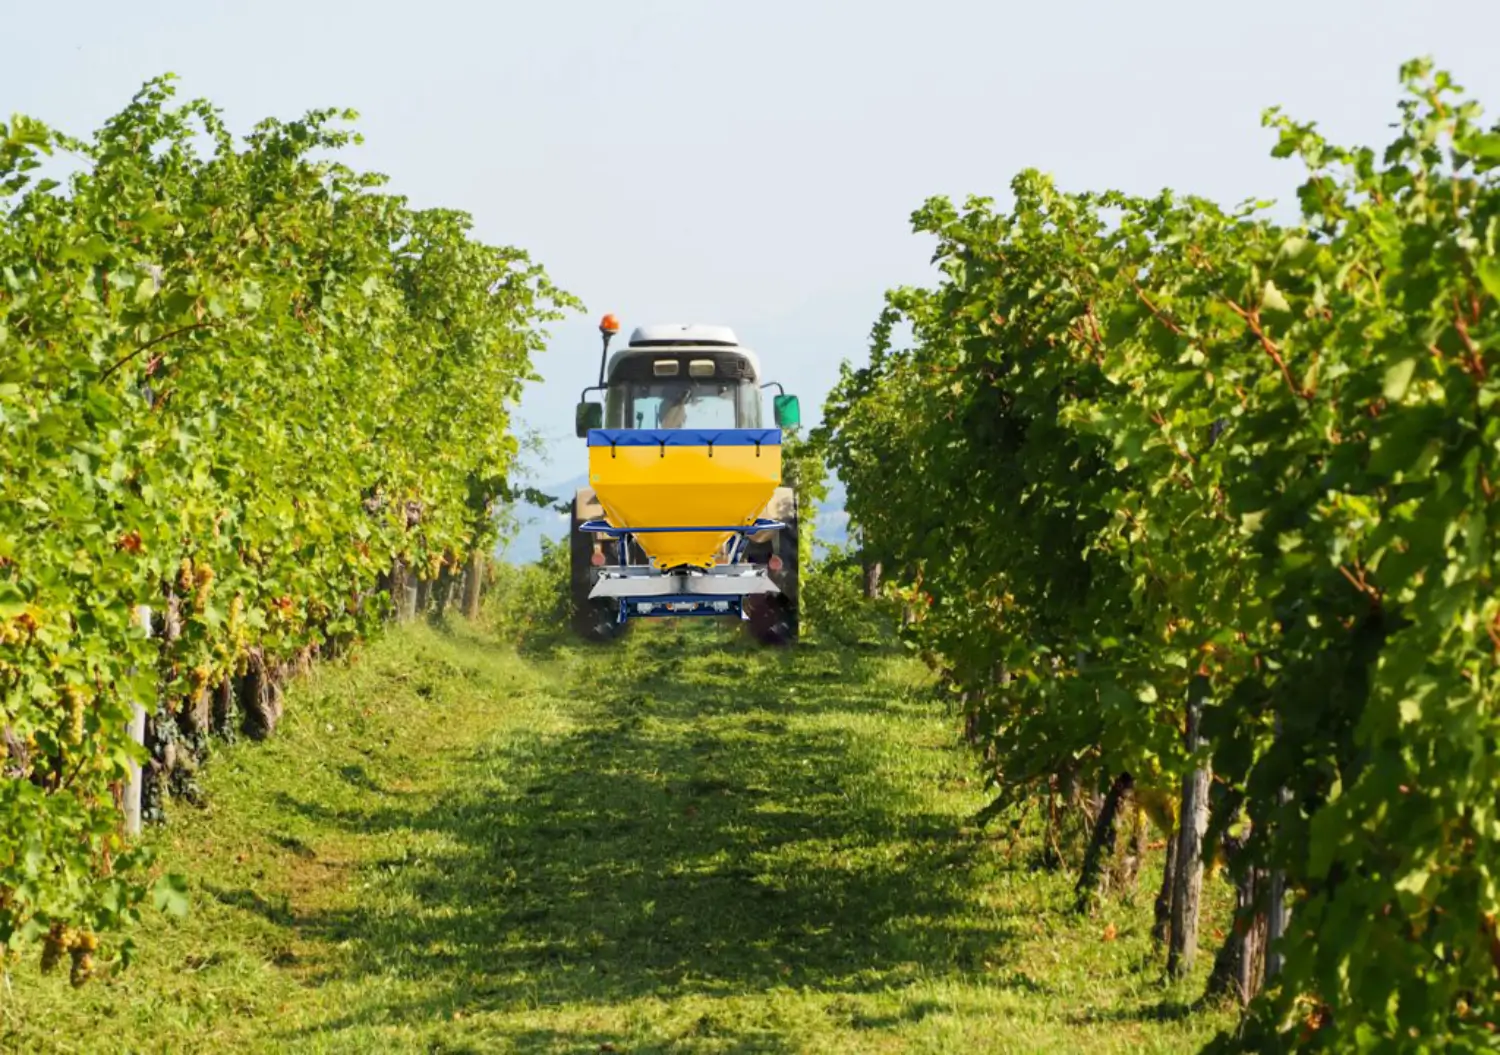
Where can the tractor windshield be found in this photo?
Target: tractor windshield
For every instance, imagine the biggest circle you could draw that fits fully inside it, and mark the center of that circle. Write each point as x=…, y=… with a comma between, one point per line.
x=684, y=404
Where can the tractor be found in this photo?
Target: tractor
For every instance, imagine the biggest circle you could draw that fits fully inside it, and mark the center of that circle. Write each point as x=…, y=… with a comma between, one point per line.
x=684, y=513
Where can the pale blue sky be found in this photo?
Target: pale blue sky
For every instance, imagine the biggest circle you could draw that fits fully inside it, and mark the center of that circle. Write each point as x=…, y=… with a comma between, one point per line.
x=754, y=164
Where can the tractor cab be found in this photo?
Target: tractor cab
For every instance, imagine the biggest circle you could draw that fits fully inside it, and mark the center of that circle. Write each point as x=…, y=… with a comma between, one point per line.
x=680, y=377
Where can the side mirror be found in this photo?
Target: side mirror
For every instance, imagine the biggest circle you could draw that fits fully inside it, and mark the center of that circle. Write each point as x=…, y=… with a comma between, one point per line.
x=788, y=413
x=588, y=416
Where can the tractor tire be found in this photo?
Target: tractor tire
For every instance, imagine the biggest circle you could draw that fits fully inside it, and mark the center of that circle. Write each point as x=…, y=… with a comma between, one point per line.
x=774, y=619
x=594, y=619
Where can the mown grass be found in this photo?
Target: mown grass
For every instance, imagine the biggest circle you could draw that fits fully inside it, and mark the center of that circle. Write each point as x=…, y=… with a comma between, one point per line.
x=683, y=844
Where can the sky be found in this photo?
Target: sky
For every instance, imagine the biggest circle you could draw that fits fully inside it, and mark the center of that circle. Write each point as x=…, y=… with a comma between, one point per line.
x=754, y=165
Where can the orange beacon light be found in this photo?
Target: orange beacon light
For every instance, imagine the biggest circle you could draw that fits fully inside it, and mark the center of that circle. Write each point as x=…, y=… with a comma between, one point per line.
x=608, y=327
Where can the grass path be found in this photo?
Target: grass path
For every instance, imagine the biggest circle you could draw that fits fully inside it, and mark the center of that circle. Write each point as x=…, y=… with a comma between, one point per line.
x=684, y=845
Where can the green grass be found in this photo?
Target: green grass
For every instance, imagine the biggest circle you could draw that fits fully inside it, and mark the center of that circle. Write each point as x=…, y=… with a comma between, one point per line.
x=684, y=844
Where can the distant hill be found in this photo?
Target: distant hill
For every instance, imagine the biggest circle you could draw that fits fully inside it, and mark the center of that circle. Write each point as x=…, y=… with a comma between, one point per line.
x=833, y=522
x=537, y=524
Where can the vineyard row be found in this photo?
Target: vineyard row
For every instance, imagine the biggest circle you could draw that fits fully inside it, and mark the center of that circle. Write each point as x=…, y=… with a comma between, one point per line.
x=1198, y=511
x=245, y=387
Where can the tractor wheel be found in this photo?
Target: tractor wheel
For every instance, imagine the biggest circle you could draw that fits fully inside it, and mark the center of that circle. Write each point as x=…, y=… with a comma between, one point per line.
x=594, y=618
x=773, y=618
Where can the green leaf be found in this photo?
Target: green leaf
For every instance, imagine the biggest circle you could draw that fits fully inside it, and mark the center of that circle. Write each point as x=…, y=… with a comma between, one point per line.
x=1482, y=146
x=1271, y=298
x=1293, y=249
x=1414, y=882
x=1489, y=273
x=1398, y=378
x=170, y=895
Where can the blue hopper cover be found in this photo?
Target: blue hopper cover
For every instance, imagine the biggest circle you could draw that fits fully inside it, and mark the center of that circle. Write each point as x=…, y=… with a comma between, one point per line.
x=684, y=437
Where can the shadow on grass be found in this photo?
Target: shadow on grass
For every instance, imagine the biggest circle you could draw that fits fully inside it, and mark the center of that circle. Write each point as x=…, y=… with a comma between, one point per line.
x=278, y=912
x=1162, y=1011
x=713, y=827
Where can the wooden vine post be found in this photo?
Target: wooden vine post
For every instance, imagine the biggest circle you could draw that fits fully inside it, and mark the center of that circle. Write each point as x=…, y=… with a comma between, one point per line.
x=1278, y=912
x=131, y=796
x=1188, y=888
x=472, y=583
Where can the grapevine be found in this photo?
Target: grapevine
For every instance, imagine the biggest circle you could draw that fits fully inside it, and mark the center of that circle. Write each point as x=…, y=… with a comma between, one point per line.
x=1141, y=450
x=228, y=376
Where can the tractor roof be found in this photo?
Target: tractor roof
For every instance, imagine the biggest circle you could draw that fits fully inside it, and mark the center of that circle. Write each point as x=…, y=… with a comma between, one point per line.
x=678, y=338
x=682, y=333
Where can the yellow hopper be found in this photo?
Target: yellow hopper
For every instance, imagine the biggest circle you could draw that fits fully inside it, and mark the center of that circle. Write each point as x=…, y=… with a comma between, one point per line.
x=716, y=480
